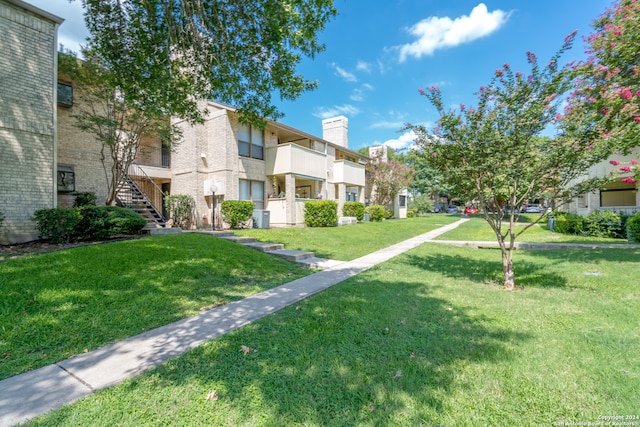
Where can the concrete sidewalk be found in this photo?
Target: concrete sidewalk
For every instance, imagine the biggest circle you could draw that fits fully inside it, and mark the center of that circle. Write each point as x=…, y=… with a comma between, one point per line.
x=37, y=392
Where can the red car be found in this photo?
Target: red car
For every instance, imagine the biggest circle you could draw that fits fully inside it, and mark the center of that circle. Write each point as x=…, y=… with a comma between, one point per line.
x=470, y=210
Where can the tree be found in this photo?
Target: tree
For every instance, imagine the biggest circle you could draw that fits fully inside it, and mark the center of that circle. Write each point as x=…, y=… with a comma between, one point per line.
x=174, y=53
x=493, y=154
x=608, y=96
x=385, y=179
x=117, y=123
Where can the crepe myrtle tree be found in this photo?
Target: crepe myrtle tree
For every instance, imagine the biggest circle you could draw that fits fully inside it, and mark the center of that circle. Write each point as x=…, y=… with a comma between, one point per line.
x=608, y=83
x=494, y=154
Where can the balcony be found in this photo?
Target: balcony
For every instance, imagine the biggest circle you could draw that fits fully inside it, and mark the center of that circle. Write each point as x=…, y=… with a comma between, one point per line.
x=295, y=159
x=155, y=161
x=348, y=172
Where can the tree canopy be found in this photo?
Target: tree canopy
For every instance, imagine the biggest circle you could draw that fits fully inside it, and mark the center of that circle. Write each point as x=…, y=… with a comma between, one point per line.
x=170, y=54
x=493, y=153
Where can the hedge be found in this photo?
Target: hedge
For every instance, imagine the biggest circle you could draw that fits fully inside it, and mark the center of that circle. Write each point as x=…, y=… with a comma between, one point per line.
x=596, y=224
x=376, y=212
x=236, y=213
x=321, y=213
x=633, y=228
x=354, y=209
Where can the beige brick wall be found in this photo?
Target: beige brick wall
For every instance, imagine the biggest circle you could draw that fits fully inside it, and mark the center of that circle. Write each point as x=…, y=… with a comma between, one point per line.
x=27, y=119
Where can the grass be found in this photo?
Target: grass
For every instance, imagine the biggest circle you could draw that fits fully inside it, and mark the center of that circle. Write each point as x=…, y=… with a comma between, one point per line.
x=427, y=338
x=353, y=241
x=477, y=229
x=62, y=303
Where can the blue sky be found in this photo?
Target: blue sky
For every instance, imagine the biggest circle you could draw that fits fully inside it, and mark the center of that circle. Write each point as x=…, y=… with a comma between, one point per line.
x=379, y=52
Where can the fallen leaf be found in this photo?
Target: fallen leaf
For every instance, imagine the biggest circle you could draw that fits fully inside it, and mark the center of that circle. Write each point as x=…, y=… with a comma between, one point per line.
x=298, y=307
x=403, y=322
x=213, y=395
x=398, y=374
x=413, y=354
x=449, y=308
x=246, y=350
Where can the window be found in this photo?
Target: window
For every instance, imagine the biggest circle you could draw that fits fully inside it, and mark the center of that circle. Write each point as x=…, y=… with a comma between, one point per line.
x=65, y=94
x=66, y=179
x=403, y=201
x=252, y=190
x=250, y=141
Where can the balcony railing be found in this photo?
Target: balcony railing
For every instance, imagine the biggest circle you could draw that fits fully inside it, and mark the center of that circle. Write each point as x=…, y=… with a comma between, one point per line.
x=154, y=156
x=295, y=159
x=348, y=172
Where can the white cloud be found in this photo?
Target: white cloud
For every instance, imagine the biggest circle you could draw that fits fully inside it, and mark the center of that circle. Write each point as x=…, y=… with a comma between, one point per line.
x=435, y=33
x=406, y=140
x=350, y=77
x=388, y=125
x=358, y=94
x=336, y=110
x=363, y=66
x=72, y=32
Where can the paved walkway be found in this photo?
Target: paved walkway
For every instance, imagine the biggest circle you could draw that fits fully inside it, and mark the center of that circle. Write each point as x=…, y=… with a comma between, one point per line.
x=37, y=392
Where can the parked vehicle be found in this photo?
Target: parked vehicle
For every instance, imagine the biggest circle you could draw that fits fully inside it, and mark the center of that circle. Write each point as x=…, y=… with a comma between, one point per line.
x=470, y=210
x=452, y=209
x=533, y=209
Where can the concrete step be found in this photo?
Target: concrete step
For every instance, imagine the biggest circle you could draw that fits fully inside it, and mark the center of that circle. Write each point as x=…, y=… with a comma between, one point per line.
x=319, y=263
x=291, y=255
x=238, y=239
x=264, y=246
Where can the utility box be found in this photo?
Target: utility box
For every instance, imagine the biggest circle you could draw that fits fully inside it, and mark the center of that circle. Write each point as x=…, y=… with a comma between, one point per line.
x=261, y=218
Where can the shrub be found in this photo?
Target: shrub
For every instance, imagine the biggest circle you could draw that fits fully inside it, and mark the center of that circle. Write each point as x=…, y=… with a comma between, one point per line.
x=376, y=212
x=633, y=228
x=236, y=213
x=422, y=204
x=123, y=221
x=596, y=224
x=57, y=224
x=99, y=222
x=388, y=214
x=354, y=209
x=321, y=213
x=180, y=208
x=411, y=213
x=87, y=198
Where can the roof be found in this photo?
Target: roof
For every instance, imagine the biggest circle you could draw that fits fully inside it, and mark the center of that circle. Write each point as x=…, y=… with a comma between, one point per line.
x=31, y=8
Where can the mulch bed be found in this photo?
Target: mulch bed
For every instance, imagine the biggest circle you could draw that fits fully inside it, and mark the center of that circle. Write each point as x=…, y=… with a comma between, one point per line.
x=43, y=246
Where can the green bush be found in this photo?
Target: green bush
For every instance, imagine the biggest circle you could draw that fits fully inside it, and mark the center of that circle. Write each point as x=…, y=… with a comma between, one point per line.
x=236, y=213
x=63, y=225
x=87, y=198
x=596, y=224
x=422, y=204
x=57, y=224
x=180, y=208
x=321, y=213
x=411, y=213
x=99, y=222
x=388, y=214
x=633, y=228
x=376, y=212
x=354, y=209
x=123, y=221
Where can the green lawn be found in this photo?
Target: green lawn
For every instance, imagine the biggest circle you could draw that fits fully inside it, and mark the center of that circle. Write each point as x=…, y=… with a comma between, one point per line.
x=477, y=229
x=352, y=241
x=428, y=338
x=62, y=303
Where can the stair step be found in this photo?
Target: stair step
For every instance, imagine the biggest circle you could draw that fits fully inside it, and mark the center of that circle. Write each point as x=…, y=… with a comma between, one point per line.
x=291, y=255
x=264, y=246
x=239, y=239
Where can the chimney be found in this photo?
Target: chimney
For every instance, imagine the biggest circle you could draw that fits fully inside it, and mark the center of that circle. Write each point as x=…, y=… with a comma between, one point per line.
x=336, y=130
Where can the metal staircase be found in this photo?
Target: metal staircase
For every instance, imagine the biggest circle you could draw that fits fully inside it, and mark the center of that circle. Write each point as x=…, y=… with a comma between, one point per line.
x=130, y=196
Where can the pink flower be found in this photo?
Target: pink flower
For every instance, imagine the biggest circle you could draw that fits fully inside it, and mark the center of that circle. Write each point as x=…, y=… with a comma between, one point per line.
x=625, y=168
x=421, y=91
x=629, y=180
x=606, y=135
x=499, y=72
x=434, y=155
x=614, y=162
x=634, y=162
x=636, y=119
x=518, y=74
x=531, y=57
x=462, y=107
x=625, y=93
x=604, y=112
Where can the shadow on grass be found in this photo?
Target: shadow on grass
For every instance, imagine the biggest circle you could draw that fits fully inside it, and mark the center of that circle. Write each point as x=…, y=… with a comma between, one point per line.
x=58, y=304
x=528, y=274
x=367, y=352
